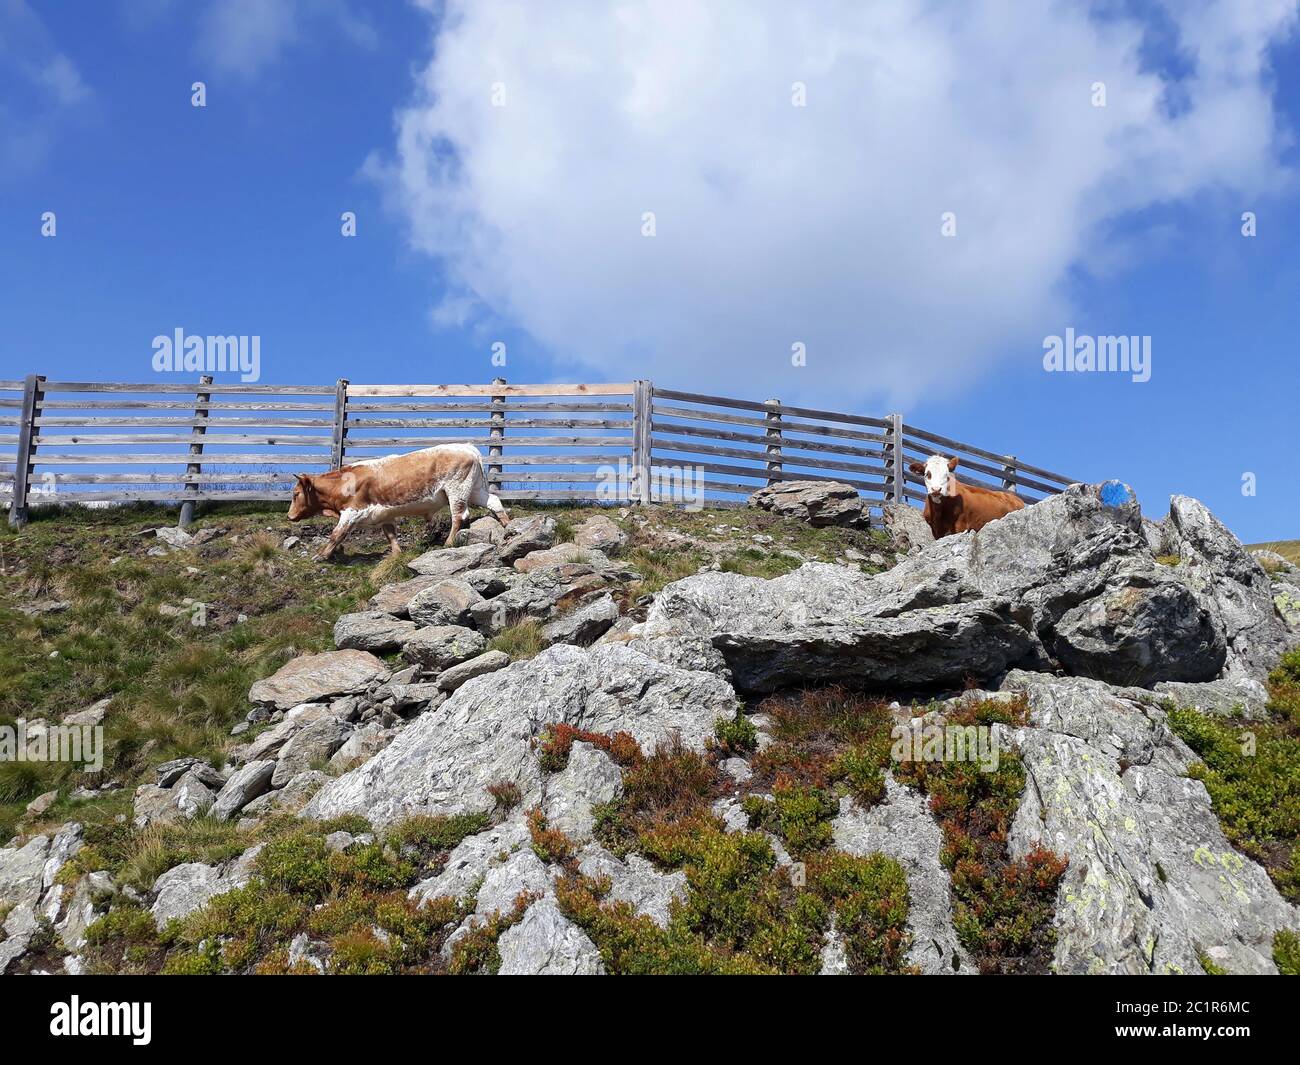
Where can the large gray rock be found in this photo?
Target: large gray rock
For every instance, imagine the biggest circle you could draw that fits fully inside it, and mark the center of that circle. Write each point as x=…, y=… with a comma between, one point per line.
x=1215, y=564
x=546, y=943
x=907, y=528
x=819, y=503
x=635, y=881
x=1152, y=885
x=590, y=777
x=448, y=602
x=439, y=646
x=245, y=785
x=489, y=662
x=522, y=871
x=308, y=678
x=903, y=828
x=309, y=747
x=552, y=556
x=396, y=598
x=584, y=625
x=487, y=732
x=183, y=801
x=371, y=630
x=825, y=623
x=22, y=871
x=525, y=535
x=599, y=533
x=1226, y=697
x=185, y=888
x=674, y=646
x=269, y=743
x=539, y=595
x=445, y=562
x=1068, y=580
x=471, y=860
x=1141, y=632
x=361, y=746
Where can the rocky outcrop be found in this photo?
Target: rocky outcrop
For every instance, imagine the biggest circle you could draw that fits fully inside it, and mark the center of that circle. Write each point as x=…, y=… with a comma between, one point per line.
x=1070, y=581
x=907, y=527
x=903, y=828
x=590, y=777
x=819, y=503
x=311, y=677
x=486, y=732
x=1152, y=885
x=526, y=535
x=371, y=630
x=188, y=887
x=546, y=943
x=1213, y=562
x=599, y=533
x=827, y=624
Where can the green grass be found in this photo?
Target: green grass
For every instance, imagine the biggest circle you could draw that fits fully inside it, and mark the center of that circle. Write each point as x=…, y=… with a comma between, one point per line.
x=1256, y=794
x=298, y=885
x=1288, y=549
x=177, y=687
x=520, y=640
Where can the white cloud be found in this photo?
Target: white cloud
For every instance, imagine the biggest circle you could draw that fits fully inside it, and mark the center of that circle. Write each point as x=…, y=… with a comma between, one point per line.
x=63, y=79
x=820, y=224
x=40, y=89
x=244, y=37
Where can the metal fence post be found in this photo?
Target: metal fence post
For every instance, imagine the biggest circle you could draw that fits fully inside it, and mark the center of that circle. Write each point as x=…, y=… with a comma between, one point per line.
x=197, y=432
x=496, y=434
x=897, y=485
x=338, y=444
x=642, y=422
x=1009, y=472
x=773, y=434
x=23, y=459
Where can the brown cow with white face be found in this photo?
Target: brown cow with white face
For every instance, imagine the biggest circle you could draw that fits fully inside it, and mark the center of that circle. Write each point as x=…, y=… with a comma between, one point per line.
x=379, y=491
x=953, y=507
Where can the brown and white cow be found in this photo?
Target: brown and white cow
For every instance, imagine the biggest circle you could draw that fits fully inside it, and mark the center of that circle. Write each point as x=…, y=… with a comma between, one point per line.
x=953, y=507
x=373, y=492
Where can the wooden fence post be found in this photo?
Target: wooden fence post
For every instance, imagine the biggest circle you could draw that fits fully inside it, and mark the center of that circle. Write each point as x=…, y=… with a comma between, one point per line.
x=642, y=418
x=496, y=434
x=773, y=434
x=1009, y=472
x=23, y=459
x=201, y=401
x=894, y=458
x=338, y=444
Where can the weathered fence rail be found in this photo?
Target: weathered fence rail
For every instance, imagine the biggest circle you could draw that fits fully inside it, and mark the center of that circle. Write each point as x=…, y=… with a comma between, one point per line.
x=90, y=442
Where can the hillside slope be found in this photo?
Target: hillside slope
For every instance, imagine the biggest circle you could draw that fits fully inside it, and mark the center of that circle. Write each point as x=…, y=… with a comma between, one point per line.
x=655, y=741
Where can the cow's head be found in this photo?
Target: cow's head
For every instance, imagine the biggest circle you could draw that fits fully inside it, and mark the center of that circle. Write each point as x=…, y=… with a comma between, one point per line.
x=937, y=472
x=306, y=502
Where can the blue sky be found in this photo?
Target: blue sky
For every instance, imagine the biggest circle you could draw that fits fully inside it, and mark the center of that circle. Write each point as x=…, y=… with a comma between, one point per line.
x=775, y=224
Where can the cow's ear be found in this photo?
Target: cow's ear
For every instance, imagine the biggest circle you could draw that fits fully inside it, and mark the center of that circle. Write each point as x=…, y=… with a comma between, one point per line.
x=917, y=468
x=952, y=463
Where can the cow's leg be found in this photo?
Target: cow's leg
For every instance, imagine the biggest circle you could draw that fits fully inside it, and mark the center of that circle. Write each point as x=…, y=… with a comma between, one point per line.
x=390, y=531
x=459, y=507
x=481, y=497
x=498, y=510
x=347, y=522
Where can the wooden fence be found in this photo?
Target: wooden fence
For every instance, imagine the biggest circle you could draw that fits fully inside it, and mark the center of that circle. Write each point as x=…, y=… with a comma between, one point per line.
x=86, y=442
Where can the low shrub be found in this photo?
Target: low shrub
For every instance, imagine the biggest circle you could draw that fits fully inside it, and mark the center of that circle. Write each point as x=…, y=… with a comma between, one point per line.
x=1252, y=772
